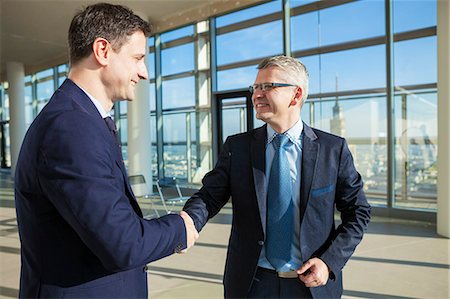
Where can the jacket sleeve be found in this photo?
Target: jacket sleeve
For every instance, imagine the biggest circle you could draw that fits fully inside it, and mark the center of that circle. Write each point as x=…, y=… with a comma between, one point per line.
x=214, y=194
x=84, y=183
x=352, y=204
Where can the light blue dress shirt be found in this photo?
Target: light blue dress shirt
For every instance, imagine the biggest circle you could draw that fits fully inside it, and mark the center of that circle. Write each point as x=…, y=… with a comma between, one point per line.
x=294, y=156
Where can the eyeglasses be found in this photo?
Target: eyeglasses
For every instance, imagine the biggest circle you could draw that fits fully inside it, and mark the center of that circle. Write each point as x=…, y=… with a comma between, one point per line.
x=267, y=86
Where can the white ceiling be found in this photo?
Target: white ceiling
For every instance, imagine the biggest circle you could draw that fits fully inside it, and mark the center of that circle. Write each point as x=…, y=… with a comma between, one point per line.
x=34, y=32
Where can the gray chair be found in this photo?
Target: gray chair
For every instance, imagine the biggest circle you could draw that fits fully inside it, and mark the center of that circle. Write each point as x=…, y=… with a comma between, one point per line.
x=142, y=190
x=170, y=193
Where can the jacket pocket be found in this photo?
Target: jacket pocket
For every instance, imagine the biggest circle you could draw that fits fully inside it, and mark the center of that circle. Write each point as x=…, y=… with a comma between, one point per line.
x=321, y=191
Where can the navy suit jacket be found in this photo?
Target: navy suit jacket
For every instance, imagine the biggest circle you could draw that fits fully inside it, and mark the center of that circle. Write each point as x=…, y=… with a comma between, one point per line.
x=329, y=180
x=81, y=230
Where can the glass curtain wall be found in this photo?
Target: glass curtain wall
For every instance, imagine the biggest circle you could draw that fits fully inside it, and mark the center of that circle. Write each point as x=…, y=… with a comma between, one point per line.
x=39, y=87
x=177, y=97
x=373, y=81
x=343, y=44
x=415, y=103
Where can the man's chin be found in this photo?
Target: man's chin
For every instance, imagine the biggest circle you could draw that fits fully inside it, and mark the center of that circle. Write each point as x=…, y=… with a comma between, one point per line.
x=262, y=116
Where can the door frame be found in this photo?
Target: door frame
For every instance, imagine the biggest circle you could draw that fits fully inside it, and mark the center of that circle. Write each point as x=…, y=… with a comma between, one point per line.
x=217, y=108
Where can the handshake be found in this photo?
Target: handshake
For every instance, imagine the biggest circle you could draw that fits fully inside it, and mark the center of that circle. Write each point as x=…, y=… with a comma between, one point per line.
x=191, y=231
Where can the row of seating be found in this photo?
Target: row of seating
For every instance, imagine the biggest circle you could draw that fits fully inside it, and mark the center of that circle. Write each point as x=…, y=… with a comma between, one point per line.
x=169, y=193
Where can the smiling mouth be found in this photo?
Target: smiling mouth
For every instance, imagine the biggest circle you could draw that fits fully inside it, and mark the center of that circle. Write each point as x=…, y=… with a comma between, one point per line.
x=261, y=105
x=133, y=83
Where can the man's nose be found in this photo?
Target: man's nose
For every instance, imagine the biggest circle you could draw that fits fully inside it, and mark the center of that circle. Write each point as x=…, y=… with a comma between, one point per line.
x=142, y=72
x=257, y=93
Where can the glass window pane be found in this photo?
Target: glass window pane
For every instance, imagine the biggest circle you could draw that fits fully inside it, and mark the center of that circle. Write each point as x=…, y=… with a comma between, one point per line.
x=154, y=152
x=152, y=87
x=44, y=74
x=305, y=31
x=353, y=70
x=306, y=112
x=177, y=59
x=177, y=33
x=123, y=107
x=312, y=64
x=151, y=65
x=5, y=108
x=338, y=24
x=409, y=15
x=41, y=105
x=62, y=68
x=174, y=127
x=253, y=12
x=352, y=21
x=7, y=145
x=28, y=114
x=231, y=118
x=236, y=78
x=362, y=122
x=178, y=93
x=28, y=94
x=123, y=129
x=416, y=150
x=249, y=43
x=415, y=61
x=61, y=80
x=45, y=90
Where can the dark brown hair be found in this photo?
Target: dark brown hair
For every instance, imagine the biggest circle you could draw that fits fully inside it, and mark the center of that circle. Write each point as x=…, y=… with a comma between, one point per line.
x=111, y=22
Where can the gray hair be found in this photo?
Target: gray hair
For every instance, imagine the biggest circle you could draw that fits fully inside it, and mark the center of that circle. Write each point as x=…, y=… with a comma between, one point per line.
x=294, y=69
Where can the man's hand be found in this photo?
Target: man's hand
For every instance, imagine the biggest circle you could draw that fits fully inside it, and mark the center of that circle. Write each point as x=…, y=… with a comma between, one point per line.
x=314, y=273
x=191, y=232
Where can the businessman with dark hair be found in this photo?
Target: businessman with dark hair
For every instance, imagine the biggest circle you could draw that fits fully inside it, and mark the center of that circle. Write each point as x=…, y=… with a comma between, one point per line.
x=81, y=230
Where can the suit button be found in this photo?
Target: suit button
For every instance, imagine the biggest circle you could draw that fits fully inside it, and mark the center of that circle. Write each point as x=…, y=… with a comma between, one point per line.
x=261, y=243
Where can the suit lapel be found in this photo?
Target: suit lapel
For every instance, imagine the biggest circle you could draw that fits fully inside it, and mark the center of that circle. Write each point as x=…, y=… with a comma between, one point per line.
x=78, y=95
x=258, y=158
x=310, y=154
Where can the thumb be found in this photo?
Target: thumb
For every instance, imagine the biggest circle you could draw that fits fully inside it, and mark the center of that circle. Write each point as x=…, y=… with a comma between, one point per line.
x=304, y=267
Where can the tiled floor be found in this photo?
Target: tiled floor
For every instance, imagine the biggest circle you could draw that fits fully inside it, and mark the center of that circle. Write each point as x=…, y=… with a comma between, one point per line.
x=396, y=259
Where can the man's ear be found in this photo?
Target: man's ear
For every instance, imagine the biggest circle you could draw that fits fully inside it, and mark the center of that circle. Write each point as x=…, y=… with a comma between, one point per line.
x=101, y=49
x=297, y=98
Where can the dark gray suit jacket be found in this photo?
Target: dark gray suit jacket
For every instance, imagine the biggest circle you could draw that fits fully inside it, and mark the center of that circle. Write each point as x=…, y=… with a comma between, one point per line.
x=329, y=181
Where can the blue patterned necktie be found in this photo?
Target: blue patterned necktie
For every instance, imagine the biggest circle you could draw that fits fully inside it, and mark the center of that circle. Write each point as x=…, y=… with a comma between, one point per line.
x=280, y=217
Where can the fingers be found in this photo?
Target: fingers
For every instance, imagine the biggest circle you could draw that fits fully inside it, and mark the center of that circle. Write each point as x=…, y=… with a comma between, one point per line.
x=191, y=231
x=304, y=268
x=314, y=273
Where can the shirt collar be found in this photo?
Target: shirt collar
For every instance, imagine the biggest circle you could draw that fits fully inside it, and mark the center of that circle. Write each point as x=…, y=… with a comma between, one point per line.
x=294, y=133
x=97, y=104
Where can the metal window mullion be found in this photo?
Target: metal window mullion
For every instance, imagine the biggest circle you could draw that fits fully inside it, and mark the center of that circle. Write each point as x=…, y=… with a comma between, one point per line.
x=159, y=116
x=390, y=105
x=213, y=88
x=55, y=78
x=34, y=99
x=286, y=27
x=188, y=147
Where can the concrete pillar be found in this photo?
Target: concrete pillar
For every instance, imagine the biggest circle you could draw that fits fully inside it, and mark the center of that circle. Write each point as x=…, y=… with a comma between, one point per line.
x=139, y=142
x=16, y=78
x=203, y=101
x=443, y=84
